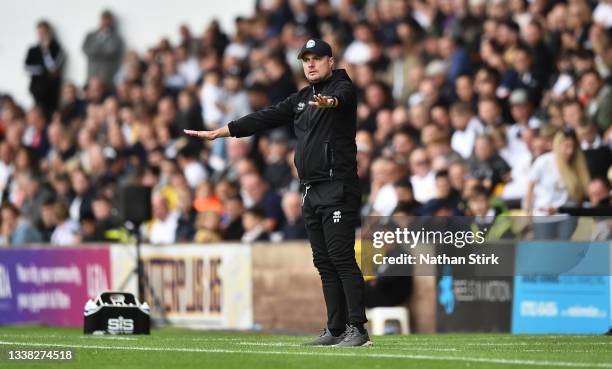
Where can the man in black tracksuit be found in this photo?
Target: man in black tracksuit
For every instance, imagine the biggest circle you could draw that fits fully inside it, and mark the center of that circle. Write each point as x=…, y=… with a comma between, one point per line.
x=324, y=120
x=44, y=62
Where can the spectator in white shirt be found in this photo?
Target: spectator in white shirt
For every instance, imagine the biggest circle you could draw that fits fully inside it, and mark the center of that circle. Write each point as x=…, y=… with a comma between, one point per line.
x=572, y=112
x=163, y=226
x=521, y=111
x=385, y=172
x=194, y=172
x=558, y=178
x=211, y=98
x=603, y=13
x=66, y=233
x=519, y=158
x=423, y=178
x=467, y=127
x=358, y=51
x=187, y=65
x=6, y=165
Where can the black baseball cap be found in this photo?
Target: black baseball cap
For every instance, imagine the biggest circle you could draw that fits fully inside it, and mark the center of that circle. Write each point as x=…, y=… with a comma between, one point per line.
x=317, y=47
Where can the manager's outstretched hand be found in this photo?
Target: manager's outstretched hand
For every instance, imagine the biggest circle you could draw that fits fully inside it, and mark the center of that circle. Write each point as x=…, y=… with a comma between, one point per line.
x=209, y=135
x=321, y=101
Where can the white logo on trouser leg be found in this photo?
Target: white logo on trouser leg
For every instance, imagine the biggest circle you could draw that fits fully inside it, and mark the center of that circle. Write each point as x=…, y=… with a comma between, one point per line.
x=337, y=216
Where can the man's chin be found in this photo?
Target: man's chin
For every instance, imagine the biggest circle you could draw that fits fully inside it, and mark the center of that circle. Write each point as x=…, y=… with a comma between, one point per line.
x=314, y=79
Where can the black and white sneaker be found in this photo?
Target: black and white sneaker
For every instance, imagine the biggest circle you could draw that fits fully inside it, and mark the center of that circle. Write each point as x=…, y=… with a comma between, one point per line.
x=353, y=338
x=325, y=339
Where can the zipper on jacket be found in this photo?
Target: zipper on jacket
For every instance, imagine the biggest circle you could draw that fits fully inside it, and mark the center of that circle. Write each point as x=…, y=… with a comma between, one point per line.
x=331, y=164
x=309, y=116
x=329, y=159
x=308, y=125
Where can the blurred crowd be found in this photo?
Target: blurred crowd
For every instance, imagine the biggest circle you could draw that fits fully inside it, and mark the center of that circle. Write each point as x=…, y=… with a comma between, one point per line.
x=465, y=107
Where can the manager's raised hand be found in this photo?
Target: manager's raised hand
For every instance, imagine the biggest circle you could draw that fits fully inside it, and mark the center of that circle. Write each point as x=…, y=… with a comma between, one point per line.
x=209, y=135
x=321, y=101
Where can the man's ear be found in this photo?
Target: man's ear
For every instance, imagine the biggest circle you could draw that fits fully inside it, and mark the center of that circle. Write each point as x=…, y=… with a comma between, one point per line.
x=331, y=61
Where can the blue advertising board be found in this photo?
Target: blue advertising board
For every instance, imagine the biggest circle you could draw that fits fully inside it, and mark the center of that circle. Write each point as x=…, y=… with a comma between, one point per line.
x=569, y=302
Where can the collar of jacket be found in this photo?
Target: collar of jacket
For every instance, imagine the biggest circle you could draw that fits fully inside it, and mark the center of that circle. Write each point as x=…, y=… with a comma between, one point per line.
x=336, y=74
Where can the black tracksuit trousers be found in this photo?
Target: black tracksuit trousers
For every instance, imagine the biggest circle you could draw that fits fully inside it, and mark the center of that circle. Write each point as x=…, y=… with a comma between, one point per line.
x=331, y=213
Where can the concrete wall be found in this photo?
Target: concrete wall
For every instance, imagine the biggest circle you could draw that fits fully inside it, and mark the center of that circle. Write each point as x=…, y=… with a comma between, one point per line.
x=141, y=22
x=287, y=295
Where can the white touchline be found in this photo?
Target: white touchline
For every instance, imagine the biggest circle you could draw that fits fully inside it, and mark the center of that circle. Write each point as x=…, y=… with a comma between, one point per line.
x=277, y=344
x=420, y=341
x=309, y=353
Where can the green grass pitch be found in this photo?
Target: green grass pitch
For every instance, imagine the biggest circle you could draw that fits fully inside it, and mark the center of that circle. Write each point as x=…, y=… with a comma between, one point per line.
x=177, y=348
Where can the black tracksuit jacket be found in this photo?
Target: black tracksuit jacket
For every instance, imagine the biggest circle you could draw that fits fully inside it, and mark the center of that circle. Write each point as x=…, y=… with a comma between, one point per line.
x=326, y=149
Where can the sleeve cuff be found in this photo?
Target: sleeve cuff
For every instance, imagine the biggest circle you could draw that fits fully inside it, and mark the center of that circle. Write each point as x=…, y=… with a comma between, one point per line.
x=337, y=101
x=232, y=129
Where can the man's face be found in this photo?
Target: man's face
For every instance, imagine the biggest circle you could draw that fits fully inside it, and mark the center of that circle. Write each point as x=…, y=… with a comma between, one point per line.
x=464, y=88
x=253, y=186
x=443, y=187
x=234, y=209
x=43, y=35
x=460, y=120
x=483, y=149
x=317, y=68
x=419, y=163
x=590, y=84
x=479, y=206
x=403, y=144
x=160, y=208
x=572, y=114
x=79, y=183
x=106, y=21
x=520, y=112
x=488, y=111
x=586, y=134
x=446, y=47
x=48, y=215
x=597, y=192
x=101, y=209
x=456, y=175
x=185, y=201
x=521, y=62
x=9, y=220
x=292, y=206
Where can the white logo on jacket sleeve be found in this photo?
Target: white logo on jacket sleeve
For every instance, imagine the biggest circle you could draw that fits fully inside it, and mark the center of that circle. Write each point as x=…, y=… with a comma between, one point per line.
x=337, y=216
x=310, y=44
